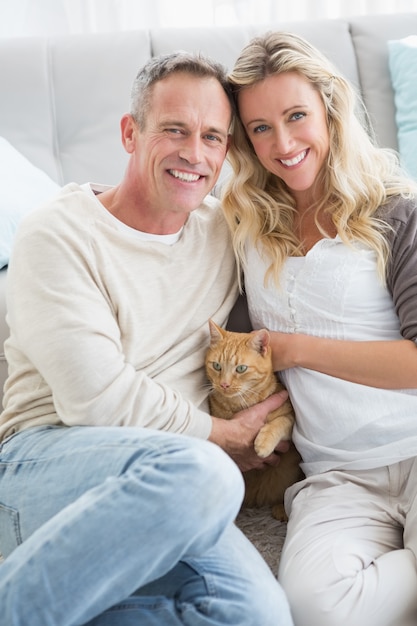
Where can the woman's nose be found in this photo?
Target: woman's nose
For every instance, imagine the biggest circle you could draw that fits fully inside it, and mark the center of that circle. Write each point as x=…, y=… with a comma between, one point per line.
x=283, y=141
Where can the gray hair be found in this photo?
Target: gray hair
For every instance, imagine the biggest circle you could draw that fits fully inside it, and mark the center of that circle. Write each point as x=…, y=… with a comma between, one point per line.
x=162, y=66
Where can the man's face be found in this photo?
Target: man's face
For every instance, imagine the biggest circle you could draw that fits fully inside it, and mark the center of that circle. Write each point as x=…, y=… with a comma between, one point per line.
x=179, y=152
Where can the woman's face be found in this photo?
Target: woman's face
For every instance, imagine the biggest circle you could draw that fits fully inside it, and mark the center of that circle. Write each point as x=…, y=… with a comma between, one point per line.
x=286, y=123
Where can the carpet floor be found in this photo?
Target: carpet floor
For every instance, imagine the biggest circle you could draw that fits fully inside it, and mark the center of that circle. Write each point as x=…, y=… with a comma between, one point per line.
x=265, y=532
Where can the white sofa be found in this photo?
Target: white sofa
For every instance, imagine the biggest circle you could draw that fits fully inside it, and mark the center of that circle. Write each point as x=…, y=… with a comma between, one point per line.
x=62, y=98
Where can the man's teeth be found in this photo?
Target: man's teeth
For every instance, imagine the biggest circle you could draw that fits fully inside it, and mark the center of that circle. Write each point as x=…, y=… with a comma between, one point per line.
x=295, y=160
x=189, y=178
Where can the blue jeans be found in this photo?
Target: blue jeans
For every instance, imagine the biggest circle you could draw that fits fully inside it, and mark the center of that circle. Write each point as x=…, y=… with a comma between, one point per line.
x=123, y=527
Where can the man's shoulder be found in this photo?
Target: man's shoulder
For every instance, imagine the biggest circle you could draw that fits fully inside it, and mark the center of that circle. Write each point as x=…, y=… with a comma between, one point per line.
x=210, y=209
x=66, y=215
x=63, y=207
x=211, y=202
x=208, y=224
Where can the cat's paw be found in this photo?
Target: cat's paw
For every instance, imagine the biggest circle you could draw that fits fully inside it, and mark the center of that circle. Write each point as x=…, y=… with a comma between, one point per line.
x=279, y=513
x=265, y=443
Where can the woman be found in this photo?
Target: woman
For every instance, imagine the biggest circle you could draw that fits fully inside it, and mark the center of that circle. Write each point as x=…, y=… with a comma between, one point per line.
x=325, y=232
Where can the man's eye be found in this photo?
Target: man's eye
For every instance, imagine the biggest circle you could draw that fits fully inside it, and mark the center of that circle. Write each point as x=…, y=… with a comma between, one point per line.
x=212, y=138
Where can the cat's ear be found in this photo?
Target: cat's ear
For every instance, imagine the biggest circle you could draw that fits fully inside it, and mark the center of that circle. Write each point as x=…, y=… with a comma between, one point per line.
x=216, y=333
x=260, y=341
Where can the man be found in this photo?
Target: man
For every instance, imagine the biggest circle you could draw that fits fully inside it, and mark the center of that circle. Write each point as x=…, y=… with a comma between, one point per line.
x=114, y=509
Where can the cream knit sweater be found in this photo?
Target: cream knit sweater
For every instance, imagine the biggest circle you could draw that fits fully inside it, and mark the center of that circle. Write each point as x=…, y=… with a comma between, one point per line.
x=109, y=330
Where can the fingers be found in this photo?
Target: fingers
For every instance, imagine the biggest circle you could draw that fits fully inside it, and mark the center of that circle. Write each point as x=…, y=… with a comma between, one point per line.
x=236, y=436
x=275, y=458
x=247, y=460
x=255, y=462
x=258, y=464
x=283, y=447
x=273, y=402
x=272, y=459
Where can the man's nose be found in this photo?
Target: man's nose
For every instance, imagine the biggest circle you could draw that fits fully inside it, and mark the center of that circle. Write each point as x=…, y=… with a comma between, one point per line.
x=191, y=149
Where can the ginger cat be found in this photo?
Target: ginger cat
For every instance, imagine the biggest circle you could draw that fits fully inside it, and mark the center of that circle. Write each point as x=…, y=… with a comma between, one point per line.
x=239, y=368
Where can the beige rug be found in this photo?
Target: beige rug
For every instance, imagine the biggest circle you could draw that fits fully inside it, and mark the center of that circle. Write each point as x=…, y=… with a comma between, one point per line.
x=265, y=532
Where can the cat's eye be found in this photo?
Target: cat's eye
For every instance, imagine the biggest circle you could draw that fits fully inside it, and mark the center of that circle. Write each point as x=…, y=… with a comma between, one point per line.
x=216, y=366
x=241, y=368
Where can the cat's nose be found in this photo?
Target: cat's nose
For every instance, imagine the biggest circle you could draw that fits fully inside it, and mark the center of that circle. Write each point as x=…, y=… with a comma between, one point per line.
x=225, y=385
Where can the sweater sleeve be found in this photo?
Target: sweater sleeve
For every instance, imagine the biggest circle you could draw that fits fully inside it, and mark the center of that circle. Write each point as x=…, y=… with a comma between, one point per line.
x=64, y=327
x=402, y=265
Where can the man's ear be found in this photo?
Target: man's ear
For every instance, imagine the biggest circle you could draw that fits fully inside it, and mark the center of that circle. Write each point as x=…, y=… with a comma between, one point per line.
x=129, y=129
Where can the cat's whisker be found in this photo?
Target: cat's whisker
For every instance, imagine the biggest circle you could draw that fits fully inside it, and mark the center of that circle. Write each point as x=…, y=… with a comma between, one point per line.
x=245, y=404
x=207, y=386
x=249, y=397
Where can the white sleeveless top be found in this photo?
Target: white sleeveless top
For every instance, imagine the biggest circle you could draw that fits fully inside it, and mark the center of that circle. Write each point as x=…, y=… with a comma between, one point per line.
x=334, y=292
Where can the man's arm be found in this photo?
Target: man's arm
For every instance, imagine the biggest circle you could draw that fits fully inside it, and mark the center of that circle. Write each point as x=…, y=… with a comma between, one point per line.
x=65, y=330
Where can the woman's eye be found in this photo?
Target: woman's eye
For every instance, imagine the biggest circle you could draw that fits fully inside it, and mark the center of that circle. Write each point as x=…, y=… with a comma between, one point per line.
x=217, y=366
x=241, y=368
x=260, y=129
x=297, y=116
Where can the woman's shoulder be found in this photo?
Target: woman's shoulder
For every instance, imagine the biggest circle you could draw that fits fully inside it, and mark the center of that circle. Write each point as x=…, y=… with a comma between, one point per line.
x=398, y=211
x=400, y=215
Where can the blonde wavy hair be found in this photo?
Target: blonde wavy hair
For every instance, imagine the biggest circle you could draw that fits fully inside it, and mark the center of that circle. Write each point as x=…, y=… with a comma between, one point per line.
x=357, y=178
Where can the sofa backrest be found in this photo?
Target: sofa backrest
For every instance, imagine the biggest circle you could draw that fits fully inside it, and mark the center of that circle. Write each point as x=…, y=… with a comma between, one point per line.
x=62, y=98
x=369, y=37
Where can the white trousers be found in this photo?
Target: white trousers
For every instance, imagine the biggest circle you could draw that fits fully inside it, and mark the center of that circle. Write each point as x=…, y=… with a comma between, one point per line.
x=350, y=556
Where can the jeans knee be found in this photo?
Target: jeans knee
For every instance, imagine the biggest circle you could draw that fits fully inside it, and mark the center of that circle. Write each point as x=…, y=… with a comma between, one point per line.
x=217, y=475
x=189, y=474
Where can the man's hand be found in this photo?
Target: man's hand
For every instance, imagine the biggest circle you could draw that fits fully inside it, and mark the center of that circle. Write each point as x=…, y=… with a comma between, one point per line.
x=236, y=436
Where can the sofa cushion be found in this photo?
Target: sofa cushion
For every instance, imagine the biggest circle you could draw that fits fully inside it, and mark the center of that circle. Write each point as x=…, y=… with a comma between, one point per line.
x=403, y=68
x=370, y=34
x=224, y=43
x=23, y=187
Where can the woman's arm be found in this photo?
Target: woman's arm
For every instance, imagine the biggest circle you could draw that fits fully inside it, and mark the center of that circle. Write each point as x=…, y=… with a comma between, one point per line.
x=383, y=364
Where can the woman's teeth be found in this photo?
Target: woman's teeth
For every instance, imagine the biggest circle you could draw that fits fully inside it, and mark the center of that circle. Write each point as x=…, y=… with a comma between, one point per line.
x=295, y=160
